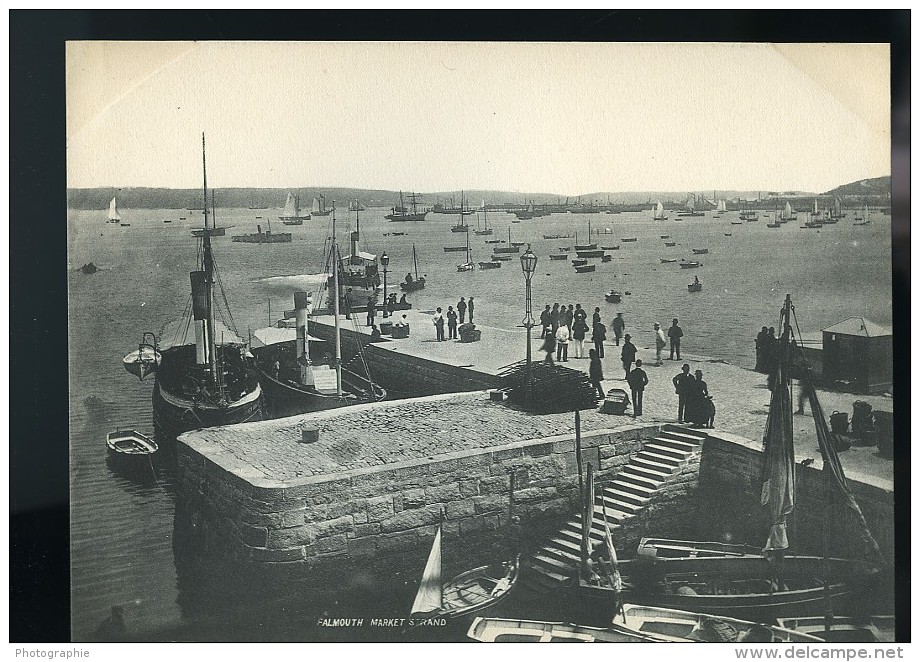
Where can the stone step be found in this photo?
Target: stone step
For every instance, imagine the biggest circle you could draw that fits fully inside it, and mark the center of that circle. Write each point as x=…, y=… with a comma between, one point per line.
x=683, y=431
x=651, y=468
x=565, y=543
x=652, y=455
x=552, y=564
x=561, y=553
x=631, y=474
x=659, y=449
x=676, y=444
x=618, y=497
x=645, y=491
x=681, y=434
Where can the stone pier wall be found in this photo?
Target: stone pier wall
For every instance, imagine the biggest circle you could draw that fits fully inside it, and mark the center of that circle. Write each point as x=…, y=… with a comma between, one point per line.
x=390, y=368
x=391, y=510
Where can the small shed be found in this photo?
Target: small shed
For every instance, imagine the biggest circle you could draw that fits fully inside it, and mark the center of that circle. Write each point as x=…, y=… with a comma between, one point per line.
x=857, y=350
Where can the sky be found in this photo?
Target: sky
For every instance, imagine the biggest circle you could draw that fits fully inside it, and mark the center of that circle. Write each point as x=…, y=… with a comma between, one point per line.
x=556, y=118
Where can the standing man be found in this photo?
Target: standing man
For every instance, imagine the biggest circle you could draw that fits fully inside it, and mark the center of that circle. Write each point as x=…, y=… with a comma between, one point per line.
x=683, y=385
x=759, y=347
x=371, y=310
x=579, y=313
x=470, y=309
x=619, y=325
x=675, y=333
x=439, y=325
x=660, y=342
x=627, y=354
x=599, y=335
x=544, y=321
x=567, y=316
x=579, y=329
x=461, y=309
x=451, y=323
x=348, y=303
x=562, y=343
x=596, y=374
x=637, y=381
x=554, y=319
x=596, y=318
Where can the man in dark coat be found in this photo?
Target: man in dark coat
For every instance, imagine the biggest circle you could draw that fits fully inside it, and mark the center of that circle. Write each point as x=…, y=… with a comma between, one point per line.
x=683, y=385
x=554, y=319
x=637, y=381
x=469, y=309
x=596, y=373
x=544, y=321
x=599, y=335
x=619, y=325
x=371, y=311
x=628, y=354
x=451, y=323
x=759, y=346
x=461, y=309
x=596, y=317
x=675, y=333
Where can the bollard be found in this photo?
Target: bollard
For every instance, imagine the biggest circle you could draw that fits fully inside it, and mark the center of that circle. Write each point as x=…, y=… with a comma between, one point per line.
x=310, y=435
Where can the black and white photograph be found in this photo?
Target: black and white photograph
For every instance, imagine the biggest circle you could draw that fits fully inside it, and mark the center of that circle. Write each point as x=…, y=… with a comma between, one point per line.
x=492, y=341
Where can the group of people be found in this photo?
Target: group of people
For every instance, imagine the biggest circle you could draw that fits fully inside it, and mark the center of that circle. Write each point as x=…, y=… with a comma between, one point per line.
x=694, y=404
x=388, y=306
x=453, y=318
x=766, y=344
x=562, y=325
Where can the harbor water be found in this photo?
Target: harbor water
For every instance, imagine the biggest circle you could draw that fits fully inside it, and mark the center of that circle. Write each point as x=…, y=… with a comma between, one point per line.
x=123, y=528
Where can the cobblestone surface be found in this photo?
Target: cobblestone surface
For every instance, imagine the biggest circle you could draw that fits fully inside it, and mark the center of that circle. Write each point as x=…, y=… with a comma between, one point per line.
x=389, y=432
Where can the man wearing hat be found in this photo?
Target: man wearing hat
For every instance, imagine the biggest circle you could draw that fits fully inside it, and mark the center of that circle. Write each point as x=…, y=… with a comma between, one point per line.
x=627, y=354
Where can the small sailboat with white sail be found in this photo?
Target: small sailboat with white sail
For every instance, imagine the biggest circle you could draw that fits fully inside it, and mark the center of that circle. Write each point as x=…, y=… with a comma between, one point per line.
x=468, y=265
x=319, y=206
x=114, y=216
x=291, y=214
x=658, y=213
x=411, y=284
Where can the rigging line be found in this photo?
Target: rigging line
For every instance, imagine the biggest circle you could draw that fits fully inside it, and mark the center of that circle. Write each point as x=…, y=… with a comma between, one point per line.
x=223, y=294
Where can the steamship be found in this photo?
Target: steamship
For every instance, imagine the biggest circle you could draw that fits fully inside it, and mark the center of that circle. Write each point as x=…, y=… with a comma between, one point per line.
x=206, y=383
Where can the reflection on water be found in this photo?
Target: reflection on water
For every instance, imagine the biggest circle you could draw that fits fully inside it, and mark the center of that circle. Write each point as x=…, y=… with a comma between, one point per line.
x=125, y=530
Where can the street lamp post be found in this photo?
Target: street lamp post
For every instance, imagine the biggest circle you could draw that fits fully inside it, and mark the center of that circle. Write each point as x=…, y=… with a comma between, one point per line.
x=385, y=260
x=528, y=266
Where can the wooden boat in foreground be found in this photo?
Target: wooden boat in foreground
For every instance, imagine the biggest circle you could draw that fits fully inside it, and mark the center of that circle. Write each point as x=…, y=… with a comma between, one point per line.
x=685, y=626
x=468, y=592
x=843, y=628
x=742, y=587
x=507, y=630
x=692, y=264
x=613, y=296
x=665, y=548
x=558, y=256
x=490, y=265
x=584, y=269
x=145, y=359
x=130, y=444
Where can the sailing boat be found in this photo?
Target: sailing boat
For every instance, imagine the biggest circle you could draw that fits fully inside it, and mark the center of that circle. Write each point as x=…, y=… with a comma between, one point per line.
x=410, y=284
x=462, y=226
x=764, y=588
x=788, y=214
x=486, y=231
x=469, y=592
x=206, y=383
x=691, y=208
x=468, y=265
x=512, y=247
x=400, y=213
x=319, y=206
x=658, y=212
x=114, y=216
x=720, y=207
x=293, y=383
x=214, y=230
x=291, y=214
x=590, y=246
x=865, y=217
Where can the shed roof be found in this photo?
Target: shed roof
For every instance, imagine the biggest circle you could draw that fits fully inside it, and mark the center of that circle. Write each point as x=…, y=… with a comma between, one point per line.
x=858, y=326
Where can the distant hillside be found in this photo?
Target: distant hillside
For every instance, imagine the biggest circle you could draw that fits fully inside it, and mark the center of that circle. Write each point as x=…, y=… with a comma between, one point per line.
x=864, y=187
x=273, y=198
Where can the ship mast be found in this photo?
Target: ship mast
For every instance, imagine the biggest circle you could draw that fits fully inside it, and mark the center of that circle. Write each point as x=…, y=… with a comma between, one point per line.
x=335, y=297
x=210, y=355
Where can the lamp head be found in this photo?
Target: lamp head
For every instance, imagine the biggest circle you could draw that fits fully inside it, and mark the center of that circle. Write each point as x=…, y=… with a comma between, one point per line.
x=385, y=260
x=528, y=263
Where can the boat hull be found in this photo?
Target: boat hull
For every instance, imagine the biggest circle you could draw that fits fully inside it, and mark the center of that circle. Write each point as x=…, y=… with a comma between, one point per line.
x=504, y=630
x=214, y=232
x=740, y=587
x=264, y=238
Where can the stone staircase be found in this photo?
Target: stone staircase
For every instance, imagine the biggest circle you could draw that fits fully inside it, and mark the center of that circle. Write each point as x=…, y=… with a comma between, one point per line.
x=628, y=494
